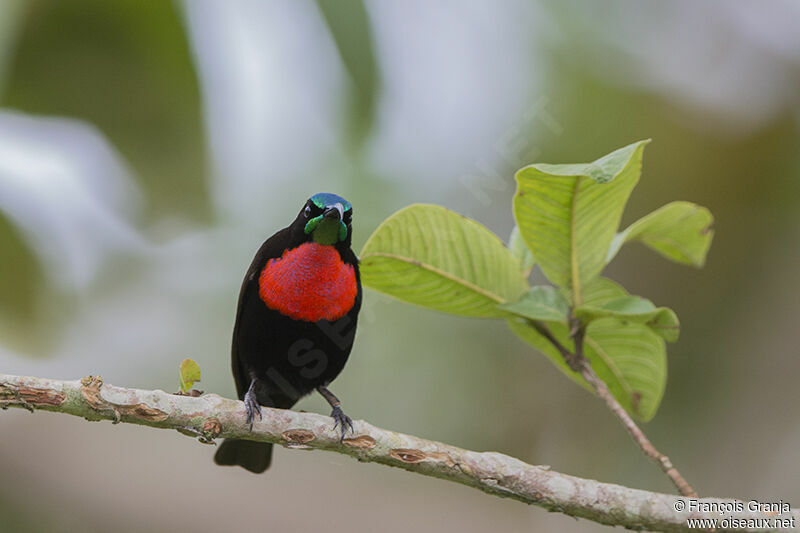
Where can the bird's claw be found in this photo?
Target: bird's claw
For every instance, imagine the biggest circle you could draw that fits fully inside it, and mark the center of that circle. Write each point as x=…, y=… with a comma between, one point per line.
x=342, y=420
x=252, y=408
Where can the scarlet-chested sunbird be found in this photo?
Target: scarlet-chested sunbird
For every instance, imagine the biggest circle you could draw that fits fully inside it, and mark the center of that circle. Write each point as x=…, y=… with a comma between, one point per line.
x=296, y=320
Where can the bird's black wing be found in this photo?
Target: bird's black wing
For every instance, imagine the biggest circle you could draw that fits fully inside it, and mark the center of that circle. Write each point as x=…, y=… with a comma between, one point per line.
x=248, y=296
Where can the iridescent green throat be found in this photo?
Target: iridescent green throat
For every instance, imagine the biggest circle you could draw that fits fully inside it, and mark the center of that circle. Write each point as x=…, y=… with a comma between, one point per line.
x=326, y=230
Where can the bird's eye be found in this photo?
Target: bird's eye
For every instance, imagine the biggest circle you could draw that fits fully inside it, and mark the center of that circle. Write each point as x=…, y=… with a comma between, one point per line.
x=348, y=216
x=307, y=211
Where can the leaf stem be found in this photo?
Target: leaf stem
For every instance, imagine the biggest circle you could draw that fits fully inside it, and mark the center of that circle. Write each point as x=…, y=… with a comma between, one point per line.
x=578, y=362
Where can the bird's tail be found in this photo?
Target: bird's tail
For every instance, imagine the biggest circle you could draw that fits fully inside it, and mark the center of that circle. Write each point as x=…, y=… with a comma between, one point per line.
x=250, y=455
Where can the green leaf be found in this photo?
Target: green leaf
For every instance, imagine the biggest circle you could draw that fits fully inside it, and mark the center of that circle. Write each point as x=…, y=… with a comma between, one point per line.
x=598, y=291
x=626, y=350
x=430, y=256
x=632, y=361
x=521, y=251
x=190, y=374
x=627, y=306
x=522, y=328
x=665, y=324
x=662, y=320
x=540, y=303
x=568, y=214
x=680, y=231
x=629, y=358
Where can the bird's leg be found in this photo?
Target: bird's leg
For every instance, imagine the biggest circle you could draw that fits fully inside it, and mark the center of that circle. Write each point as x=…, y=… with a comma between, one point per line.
x=251, y=404
x=341, y=419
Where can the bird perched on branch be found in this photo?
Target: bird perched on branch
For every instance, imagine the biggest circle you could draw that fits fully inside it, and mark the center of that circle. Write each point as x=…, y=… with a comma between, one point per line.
x=296, y=320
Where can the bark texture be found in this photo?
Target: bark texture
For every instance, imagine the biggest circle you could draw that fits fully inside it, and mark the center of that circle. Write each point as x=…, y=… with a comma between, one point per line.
x=210, y=416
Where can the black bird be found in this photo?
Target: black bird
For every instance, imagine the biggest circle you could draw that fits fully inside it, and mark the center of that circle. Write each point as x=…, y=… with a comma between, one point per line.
x=296, y=320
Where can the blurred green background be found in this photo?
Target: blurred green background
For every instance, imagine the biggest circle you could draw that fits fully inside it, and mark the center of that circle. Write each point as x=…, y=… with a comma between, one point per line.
x=147, y=149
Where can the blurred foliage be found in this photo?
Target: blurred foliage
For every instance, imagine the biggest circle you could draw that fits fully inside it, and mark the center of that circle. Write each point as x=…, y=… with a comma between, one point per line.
x=22, y=522
x=17, y=277
x=350, y=28
x=125, y=67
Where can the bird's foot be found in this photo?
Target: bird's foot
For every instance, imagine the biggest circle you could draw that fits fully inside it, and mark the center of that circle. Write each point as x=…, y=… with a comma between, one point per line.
x=252, y=408
x=342, y=420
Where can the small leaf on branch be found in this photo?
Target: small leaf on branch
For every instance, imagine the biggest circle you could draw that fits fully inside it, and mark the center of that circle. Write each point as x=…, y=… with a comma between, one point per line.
x=190, y=374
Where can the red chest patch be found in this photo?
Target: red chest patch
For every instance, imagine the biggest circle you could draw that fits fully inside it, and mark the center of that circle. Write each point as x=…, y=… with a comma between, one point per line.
x=309, y=283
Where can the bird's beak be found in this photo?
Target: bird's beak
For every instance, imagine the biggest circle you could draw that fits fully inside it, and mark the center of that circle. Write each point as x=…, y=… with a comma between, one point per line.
x=335, y=211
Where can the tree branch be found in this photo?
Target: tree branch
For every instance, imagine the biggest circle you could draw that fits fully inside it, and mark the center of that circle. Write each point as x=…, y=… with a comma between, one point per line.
x=638, y=435
x=578, y=362
x=211, y=416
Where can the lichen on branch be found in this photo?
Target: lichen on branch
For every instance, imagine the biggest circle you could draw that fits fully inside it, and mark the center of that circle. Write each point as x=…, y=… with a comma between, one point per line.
x=211, y=416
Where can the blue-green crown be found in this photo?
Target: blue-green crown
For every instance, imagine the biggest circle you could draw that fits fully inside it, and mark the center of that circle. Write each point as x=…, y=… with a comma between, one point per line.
x=324, y=199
